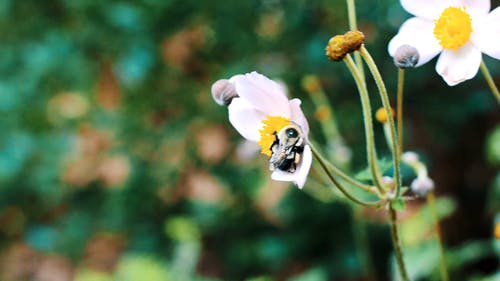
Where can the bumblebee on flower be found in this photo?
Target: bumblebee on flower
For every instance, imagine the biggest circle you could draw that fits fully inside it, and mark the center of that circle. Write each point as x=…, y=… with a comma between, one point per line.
x=261, y=112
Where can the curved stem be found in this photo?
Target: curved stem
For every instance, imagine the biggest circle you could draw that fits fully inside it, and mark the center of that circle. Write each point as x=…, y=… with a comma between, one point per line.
x=397, y=244
x=345, y=177
x=337, y=184
x=399, y=111
x=385, y=101
x=367, y=118
x=490, y=81
x=353, y=25
x=431, y=200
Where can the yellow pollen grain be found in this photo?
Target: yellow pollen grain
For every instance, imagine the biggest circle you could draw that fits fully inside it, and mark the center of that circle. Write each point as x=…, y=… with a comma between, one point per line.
x=453, y=28
x=270, y=127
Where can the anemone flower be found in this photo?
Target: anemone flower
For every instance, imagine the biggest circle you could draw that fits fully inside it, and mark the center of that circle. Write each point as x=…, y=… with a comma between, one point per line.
x=261, y=112
x=459, y=30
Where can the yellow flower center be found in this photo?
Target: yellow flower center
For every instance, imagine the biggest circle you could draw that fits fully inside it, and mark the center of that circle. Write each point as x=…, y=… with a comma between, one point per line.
x=453, y=28
x=270, y=128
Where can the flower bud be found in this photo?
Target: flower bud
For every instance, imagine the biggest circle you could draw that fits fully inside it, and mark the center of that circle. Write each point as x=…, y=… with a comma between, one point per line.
x=341, y=45
x=406, y=56
x=422, y=185
x=497, y=230
x=410, y=157
x=388, y=182
x=223, y=92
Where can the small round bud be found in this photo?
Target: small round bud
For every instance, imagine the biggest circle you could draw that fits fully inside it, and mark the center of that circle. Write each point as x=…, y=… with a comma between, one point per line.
x=354, y=40
x=406, y=56
x=381, y=115
x=388, y=182
x=223, y=92
x=410, y=157
x=422, y=185
x=341, y=45
x=335, y=48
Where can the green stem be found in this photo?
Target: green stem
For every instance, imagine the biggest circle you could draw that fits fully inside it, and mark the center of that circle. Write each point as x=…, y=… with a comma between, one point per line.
x=399, y=111
x=385, y=102
x=490, y=81
x=337, y=184
x=397, y=244
x=345, y=177
x=367, y=118
x=431, y=200
x=351, y=14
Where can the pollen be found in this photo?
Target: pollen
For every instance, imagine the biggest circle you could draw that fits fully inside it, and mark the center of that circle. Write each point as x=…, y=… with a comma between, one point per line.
x=270, y=128
x=453, y=28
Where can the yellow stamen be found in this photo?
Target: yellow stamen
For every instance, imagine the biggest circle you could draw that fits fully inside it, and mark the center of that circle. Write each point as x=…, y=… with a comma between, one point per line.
x=453, y=28
x=270, y=128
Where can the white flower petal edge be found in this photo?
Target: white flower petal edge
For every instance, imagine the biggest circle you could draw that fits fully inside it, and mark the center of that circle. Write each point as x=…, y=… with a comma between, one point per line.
x=487, y=33
x=460, y=65
x=476, y=7
x=426, y=9
x=298, y=116
x=245, y=119
x=300, y=175
x=263, y=93
x=418, y=33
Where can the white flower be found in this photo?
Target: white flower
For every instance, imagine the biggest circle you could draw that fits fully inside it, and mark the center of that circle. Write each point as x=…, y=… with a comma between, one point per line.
x=458, y=29
x=422, y=185
x=259, y=111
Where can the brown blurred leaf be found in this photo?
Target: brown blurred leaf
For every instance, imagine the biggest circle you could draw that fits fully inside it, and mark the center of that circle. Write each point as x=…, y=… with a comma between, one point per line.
x=212, y=143
x=18, y=263
x=103, y=252
x=54, y=268
x=108, y=93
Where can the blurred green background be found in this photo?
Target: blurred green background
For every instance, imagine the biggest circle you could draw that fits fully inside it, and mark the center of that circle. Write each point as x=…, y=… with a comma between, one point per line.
x=115, y=163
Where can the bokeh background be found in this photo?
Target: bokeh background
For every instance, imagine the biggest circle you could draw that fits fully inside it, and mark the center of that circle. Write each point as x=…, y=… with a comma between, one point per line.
x=115, y=163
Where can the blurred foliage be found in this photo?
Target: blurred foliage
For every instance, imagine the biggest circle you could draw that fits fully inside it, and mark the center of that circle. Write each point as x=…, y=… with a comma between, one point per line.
x=115, y=164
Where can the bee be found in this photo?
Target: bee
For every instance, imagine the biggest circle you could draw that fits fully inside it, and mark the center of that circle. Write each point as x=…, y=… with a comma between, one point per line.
x=287, y=149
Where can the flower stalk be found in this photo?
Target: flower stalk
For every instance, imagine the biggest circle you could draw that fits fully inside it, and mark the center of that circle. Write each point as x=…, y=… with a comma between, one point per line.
x=368, y=122
x=490, y=81
x=385, y=102
x=397, y=244
x=337, y=184
x=399, y=111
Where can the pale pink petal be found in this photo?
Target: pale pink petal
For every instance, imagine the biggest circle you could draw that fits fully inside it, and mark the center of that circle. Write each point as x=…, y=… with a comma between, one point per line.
x=245, y=119
x=298, y=116
x=426, y=9
x=460, y=65
x=263, y=93
x=476, y=7
x=299, y=177
x=486, y=35
x=418, y=33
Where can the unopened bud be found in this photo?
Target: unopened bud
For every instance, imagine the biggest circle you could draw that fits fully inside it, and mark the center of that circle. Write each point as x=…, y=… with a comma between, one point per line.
x=381, y=115
x=410, y=157
x=388, y=182
x=422, y=185
x=497, y=230
x=223, y=92
x=406, y=56
x=341, y=45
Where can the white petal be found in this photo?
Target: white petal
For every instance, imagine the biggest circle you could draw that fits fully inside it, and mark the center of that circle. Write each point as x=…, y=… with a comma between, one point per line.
x=487, y=33
x=426, y=9
x=300, y=175
x=477, y=7
x=246, y=119
x=460, y=65
x=263, y=93
x=298, y=116
x=418, y=33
